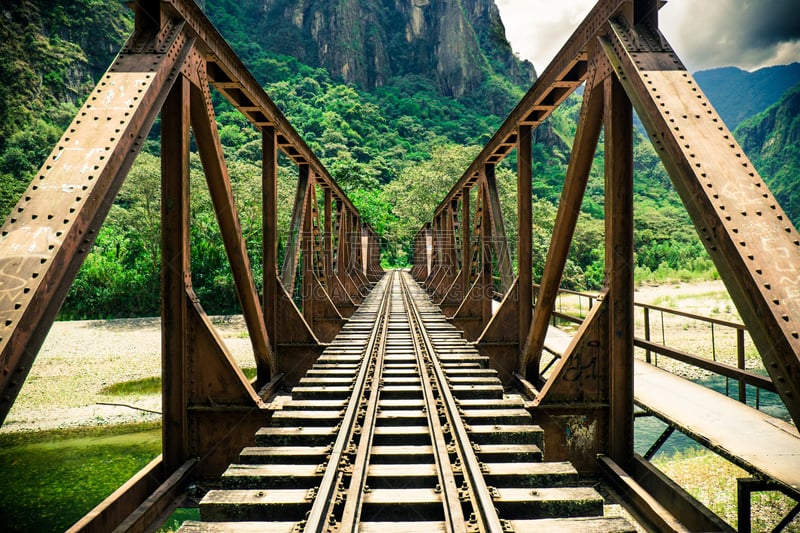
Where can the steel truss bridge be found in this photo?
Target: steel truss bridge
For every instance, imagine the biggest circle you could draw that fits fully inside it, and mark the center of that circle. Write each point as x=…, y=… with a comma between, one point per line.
x=416, y=403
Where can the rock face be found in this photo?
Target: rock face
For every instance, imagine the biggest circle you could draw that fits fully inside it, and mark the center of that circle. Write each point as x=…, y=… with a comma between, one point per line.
x=458, y=43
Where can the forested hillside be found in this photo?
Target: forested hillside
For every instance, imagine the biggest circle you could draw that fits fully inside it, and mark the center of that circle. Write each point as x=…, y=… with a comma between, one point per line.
x=738, y=95
x=772, y=140
x=51, y=55
x=395, y=133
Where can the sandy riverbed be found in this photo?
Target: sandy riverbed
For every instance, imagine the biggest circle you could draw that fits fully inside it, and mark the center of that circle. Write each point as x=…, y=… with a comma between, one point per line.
x=80, y=358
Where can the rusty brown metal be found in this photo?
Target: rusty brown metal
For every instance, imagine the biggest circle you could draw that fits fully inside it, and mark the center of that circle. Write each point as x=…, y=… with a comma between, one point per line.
x=293, y=247
x=753, y=244
x=269, y=202
x=210, y=409
x=494, y=214
x=581, y=158
x=219, y=185
x=578, y=387
x=619, y=263
x=524, y=230
x=175, y=272
x=49, y=232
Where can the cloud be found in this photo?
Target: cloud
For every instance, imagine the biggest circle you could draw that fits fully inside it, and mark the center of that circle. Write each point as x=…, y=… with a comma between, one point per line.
x=705, y=33
x=537, y=29
x=746, y=33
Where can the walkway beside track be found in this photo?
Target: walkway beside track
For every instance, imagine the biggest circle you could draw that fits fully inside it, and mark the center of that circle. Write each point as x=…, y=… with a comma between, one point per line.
x=763, y=445
x=400, y=426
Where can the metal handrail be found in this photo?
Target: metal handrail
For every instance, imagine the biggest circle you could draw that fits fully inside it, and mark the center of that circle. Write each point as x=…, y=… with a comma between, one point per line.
x=739, y=373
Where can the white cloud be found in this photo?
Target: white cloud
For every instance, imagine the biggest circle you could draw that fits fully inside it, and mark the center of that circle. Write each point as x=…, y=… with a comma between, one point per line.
x=537, y=29
x=705, y=33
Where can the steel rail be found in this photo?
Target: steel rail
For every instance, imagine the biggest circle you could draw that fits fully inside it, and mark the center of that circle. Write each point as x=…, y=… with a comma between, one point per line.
x=479, y=493
x=354, y=497
x=454, y=514
x=322, y=508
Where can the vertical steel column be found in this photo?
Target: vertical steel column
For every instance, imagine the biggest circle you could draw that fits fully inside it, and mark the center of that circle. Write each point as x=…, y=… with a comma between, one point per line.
x=307, y=238
x=437, y=243
x=465, y=243
x=584, y=146
x=293, y=246
x=218, y=180
x=343, y=258
x=269, y=200
x=428, y=250
x=175, y=273
x=487, y=283
x=619, y=268
x=524, y=230
x=499, y=239
x=328, y=234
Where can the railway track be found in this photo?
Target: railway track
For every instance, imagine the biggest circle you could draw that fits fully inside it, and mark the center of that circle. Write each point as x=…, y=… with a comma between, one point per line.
x=400, y=426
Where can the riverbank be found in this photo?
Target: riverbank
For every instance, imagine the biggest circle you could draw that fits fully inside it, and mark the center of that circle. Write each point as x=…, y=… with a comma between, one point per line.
x=83, y=364
x=73, y=378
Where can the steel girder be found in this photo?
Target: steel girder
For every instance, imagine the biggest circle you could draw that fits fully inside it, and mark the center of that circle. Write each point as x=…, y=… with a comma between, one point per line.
x=626, y=63
x=210, y=410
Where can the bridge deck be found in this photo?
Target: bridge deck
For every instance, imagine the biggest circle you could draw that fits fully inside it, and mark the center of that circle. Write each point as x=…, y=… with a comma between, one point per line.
x=400, y=426
x=759, y=443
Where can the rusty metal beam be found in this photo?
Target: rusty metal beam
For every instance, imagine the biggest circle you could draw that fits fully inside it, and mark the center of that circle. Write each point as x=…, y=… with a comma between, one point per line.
x=590, y=122
x=269, y=202
x=48, y=234
x=638, y=501
x=231, y=78
x=562, y=76
x=106, y=515
x=619, y=263
x=466, y=252
x=525, y=230
x=494, y=214
x=307, y=251
x=175, y=273
x=293, y=245
x=328, y=234
x=219, y=186
x=486, y=282
x=160, y=503
x=747, y=234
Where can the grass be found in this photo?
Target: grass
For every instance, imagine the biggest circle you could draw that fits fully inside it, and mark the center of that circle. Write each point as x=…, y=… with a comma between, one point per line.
x=150, y=385
x=712, y=480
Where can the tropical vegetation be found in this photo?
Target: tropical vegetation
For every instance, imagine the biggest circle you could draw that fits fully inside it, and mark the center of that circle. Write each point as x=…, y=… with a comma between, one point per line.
x=395, y=149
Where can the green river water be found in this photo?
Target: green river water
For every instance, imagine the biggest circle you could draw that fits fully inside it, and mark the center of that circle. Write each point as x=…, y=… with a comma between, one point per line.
x=48, y=480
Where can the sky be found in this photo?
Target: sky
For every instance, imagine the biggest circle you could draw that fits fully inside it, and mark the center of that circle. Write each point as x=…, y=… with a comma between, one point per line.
x=749, y=34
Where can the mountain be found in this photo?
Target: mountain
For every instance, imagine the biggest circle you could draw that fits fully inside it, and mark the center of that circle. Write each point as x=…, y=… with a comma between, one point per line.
x=772, y=141
x=460, y=45
x=52, y=52
x=738, y=94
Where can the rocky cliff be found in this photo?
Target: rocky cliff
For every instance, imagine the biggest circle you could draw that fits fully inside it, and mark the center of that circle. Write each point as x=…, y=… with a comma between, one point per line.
x=459, y=44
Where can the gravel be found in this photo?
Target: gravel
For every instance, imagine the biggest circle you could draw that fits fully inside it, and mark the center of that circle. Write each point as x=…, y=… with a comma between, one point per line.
x=80, y=358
